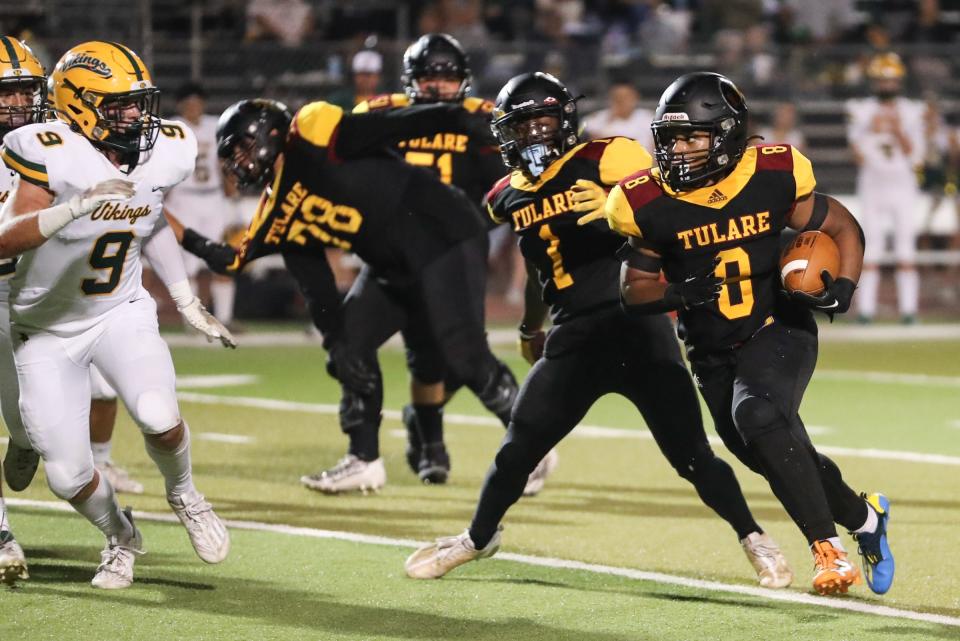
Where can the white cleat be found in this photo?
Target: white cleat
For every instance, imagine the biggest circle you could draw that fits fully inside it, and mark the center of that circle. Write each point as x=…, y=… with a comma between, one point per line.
x=13, y=564
x=208, y=534
x=348, y=475
x=764, y=554
x=540, y=473
x=19, y=466
x=119, y=478
x=436, y=559
x=115, y=571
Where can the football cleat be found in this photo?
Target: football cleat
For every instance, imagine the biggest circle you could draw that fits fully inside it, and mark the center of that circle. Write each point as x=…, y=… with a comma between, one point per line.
x=208, y=534
x=764, y=554
x=19, y=466
x=119, y=478
x=436, y=559
x=832, y=572
x=13, y=564
x=348, y=475
x=414, y=446
x=434, y=464
x=540, y=473
x=115, y=571
x=875, y=555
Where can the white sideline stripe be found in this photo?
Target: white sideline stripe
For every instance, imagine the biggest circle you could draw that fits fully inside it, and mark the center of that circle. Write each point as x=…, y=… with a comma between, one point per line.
x=585, y=431
x=547, y=562
x=887, y=377
x=955, y=424
x=215, y=380
x=220, y=437
x=4, y=440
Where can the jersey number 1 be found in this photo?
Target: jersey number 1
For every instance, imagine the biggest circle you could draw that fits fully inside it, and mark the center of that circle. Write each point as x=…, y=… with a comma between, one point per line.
x=739, y=257
x=560, y=278
x=109, y=252
x=444, y=163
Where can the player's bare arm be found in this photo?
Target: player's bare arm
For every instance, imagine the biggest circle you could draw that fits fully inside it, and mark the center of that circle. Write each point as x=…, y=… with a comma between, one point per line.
x=839, y=224
x=33, y=220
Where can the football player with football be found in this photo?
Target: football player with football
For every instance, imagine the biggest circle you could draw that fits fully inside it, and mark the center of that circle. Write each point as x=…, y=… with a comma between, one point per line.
x=709, y=217
x=593, y=348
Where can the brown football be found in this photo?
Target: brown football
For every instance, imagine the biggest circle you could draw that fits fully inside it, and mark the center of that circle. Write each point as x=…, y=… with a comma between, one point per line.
x=802, y=261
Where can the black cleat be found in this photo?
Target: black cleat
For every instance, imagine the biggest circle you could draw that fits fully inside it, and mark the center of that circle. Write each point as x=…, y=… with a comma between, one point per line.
x=434, y=467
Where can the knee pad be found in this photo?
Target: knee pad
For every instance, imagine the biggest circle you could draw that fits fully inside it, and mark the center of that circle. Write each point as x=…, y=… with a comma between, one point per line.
x=425, y=365
x=67, y=478
x=156, y=411
x=500, y=390
x=359, y=411
x=755, y=415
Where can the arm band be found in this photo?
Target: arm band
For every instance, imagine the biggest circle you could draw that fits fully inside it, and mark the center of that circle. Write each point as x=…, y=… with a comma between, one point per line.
x=53, y=219
x=819, y=214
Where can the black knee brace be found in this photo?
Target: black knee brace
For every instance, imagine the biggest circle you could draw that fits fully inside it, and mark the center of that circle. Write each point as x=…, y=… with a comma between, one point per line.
x=755, y=415
x=500, y=391
x=360, y=412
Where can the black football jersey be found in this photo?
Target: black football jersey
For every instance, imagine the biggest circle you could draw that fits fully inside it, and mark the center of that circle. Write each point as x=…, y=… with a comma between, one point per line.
x=738, y=220
x=466, y=157
x=319, y=199
x=577, y=267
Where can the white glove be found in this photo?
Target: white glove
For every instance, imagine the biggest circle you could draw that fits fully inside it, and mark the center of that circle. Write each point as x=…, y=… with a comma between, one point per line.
x=53, y=219
x=200, y=319
x=89, y=200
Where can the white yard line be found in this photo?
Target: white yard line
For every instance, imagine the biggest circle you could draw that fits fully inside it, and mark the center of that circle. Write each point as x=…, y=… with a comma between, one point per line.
x=220, y=437
x=629, y=573
x=215, y=380
x=894, y=378
x=582, y=431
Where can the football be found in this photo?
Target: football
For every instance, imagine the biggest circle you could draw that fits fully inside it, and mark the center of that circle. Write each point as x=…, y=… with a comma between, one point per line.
x=805, y=258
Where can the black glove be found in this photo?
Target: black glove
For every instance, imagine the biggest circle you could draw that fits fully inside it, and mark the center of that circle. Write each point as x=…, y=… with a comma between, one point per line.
x=698, y=289
x=835, y=298
x=218, y=256
x=348, y=367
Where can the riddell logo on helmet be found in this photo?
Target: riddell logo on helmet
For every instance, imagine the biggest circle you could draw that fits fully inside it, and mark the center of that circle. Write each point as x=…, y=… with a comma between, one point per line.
x=525, y=103
x=549, y=100
x=677, y=115
x=88, y=62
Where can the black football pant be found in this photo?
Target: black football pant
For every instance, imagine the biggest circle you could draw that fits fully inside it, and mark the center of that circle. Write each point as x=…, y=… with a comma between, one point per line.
x=754, y=394
x=441, y=312
x=586, y=359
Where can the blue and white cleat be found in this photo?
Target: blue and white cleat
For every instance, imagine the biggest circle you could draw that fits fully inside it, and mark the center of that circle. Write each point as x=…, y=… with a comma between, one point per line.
x=874, y=549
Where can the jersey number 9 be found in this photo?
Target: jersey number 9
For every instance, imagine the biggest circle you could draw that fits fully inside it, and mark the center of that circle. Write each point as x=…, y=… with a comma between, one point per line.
x=109, y=252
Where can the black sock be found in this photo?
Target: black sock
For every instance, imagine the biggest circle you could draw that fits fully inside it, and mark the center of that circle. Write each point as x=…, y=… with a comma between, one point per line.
x=502, y=488
x=718, y=488
x=429, y=422
x=794, y=476
x=848, y=508
x=365, y=445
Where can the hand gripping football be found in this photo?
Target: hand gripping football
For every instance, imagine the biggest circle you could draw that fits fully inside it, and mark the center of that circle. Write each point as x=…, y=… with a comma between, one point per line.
x=803, y=260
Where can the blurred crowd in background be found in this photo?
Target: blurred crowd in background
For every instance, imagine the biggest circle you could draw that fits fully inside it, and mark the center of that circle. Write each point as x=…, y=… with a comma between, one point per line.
x=800, y=62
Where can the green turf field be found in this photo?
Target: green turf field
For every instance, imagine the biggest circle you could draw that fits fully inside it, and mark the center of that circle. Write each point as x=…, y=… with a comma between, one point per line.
x=613, y=501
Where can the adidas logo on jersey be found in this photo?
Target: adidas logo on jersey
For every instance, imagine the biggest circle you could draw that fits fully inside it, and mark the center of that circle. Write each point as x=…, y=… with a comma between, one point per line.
x=716, y=197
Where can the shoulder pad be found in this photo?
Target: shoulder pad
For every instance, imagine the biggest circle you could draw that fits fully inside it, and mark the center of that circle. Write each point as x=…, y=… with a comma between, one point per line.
x=786, y=158
x=26, y=148
x=316, y=122
x=178, y=145
x=622, y=157
x=491, y=196
x=640, y=188
x=475, y=105
x=383, y=101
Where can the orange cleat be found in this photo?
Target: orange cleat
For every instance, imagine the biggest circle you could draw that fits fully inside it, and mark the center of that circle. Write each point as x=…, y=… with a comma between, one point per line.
x=832, y=571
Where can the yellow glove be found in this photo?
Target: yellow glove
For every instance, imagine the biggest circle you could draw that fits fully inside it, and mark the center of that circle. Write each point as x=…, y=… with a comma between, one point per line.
x=589, y=197
x=531, y=345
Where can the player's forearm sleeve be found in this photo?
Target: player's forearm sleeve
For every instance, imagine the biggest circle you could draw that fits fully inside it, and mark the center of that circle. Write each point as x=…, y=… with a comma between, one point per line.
x=319, y=288
x=218, y=256
x=163, y=252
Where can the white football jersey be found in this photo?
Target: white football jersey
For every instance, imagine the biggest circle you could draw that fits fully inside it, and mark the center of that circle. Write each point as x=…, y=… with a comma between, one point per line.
x=199, y=201
x=7, y=182
x=883, y=157
x=93, y=264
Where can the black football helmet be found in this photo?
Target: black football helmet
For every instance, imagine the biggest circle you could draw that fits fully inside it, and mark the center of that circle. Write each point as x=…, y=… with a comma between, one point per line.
x=250, y=136
x=700, y=101
x=526, y=143
x=435, y=55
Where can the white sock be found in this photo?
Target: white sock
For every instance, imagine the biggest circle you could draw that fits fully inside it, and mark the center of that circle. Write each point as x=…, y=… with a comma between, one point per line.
x=103, y=511
x=174, y=465
x=908, y=291
x=835, y=542
x=101, y=452
x=4, y=523
x=870, y=525
x=222, y=292
x=867, y=292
